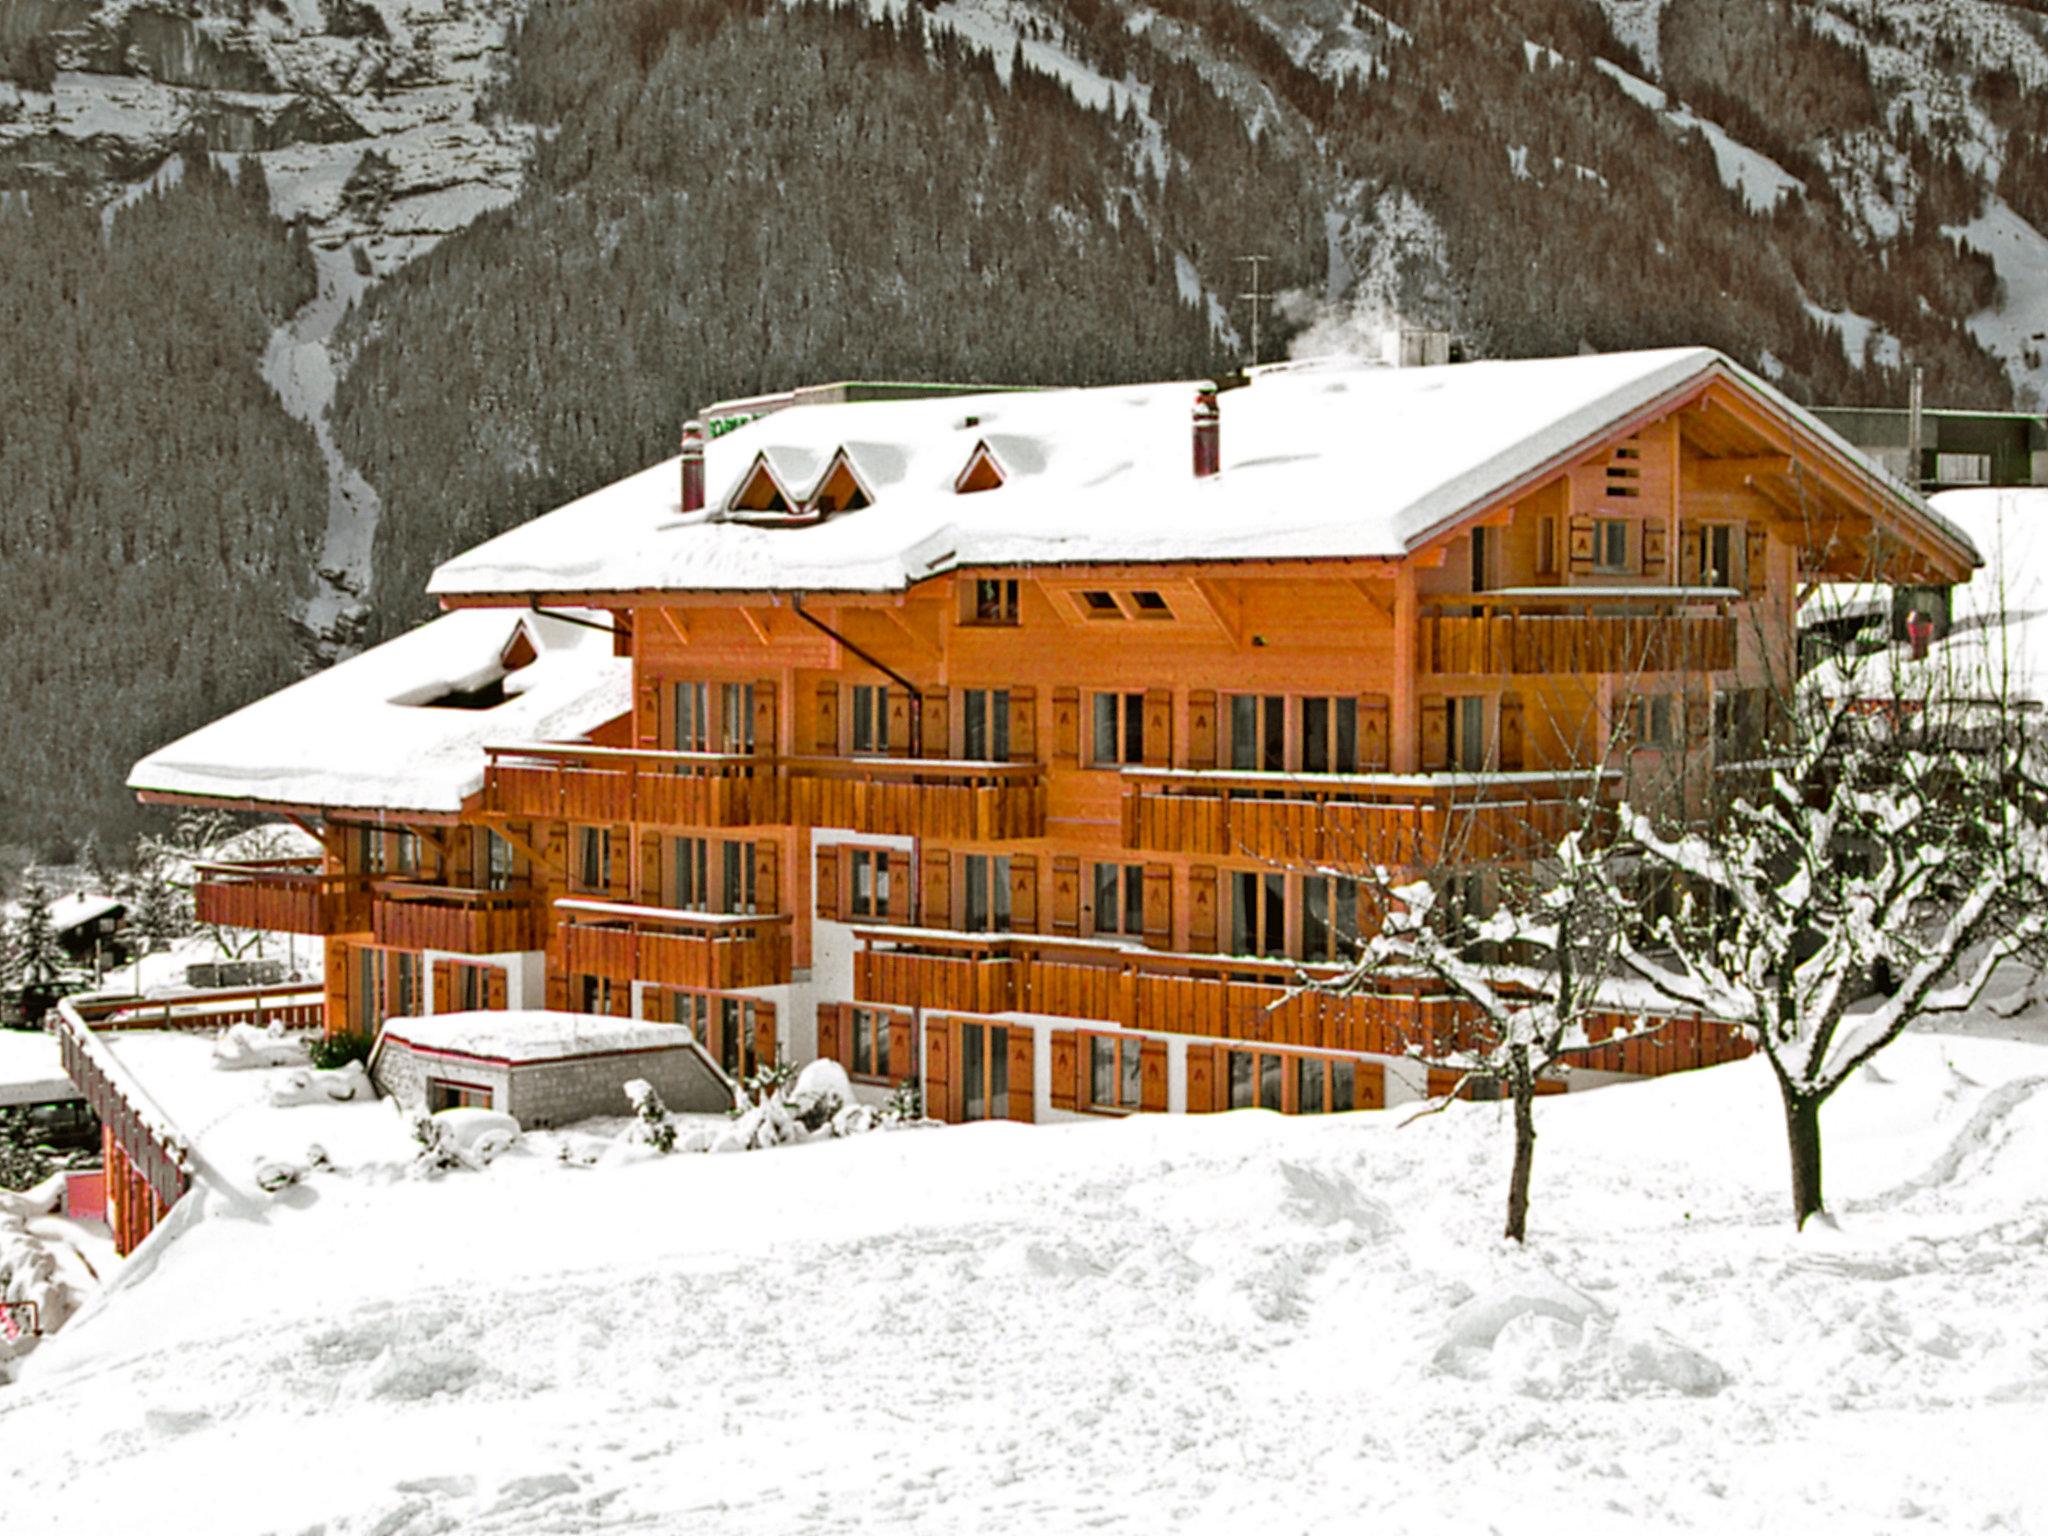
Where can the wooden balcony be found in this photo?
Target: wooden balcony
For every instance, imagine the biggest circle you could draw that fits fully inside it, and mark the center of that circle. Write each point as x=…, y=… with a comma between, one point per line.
x=1349, y=821
x=673, y=949
x=980, y=802
x=1219, y=997
x=1519, y=635
x=406, y=915
x=281, y=896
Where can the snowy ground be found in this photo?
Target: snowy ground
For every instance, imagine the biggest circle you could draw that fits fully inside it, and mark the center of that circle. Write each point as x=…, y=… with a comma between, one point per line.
x=1219, y=1323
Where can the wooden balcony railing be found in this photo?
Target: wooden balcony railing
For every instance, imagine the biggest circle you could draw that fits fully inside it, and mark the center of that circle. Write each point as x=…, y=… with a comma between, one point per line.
x=281, y=896
x=1524, y=638
x=673, y=949
x=1349, y=821
x=406, y=915
x=1219, y=997
x=988, y=802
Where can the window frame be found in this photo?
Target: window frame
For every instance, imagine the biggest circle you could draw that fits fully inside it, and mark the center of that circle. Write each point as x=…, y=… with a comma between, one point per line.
x=1618, y=528
x=1125, y=1056
x=1125, y=744
x=1126, y=888
x=592, y=842
x=985, y=883
x=868, y=707
x=869, y=1027
x=994, y=601
x=985, y=713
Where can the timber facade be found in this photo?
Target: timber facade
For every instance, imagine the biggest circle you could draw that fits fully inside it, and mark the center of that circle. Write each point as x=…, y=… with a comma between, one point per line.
x=1058, y=838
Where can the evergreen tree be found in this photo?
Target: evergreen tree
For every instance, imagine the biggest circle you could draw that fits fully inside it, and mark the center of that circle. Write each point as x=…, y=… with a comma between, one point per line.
x=38, y=958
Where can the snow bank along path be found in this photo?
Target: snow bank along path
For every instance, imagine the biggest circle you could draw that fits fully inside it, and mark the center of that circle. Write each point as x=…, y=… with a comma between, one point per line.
x=1227, y=1323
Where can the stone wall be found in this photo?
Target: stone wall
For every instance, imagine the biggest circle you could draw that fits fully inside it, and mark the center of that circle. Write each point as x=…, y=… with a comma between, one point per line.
x=557, y=1092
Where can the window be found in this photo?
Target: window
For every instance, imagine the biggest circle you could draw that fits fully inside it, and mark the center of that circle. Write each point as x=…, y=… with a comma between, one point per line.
x=499, y=866
x=1255, y=1080
x=1329, y=917
x=1115, y=1072
x=1465, y=733
x=593, y=858
x=1119, y=729
x=984, y=1071
x=1120, y=899
x=1610, y=546
x=725, y=1026
x=703, y=881
x=869, y=882
x=1653, y=721
x=1258, y=733
x=1150, y=605
x=870, y=717
x=1482, y=559
x=595, y=994
x=1546, y=546
x=737, y=865
x=1739, y=720
x=692, y=857
x=1324, y=1086
x=1962, y=468
x=1258, y=913
x=370, y=852
x=985, y=716
x=738, y=718
x=988, y=892
x=1717, y=555
x=1329, y=735
x=406, y=853
x=1625, y=473
x=870, y=1044
x=693, y=717
x=995, y=601
x=443, y=1094
x=1100, y=605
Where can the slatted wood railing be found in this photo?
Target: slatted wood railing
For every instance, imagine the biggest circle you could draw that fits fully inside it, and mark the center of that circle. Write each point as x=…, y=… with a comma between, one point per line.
x=1518, y=642
x=673, y=949
x=407, y=915
x=281, y=896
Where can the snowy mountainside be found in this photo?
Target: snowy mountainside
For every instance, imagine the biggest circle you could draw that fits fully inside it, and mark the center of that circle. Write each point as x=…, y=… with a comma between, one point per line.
x=1213, y=1323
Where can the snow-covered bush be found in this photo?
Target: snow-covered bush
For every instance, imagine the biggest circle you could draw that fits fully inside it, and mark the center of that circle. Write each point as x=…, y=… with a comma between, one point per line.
x=772, y=1077
x=461, y=1138
x=348, y=1084
x=819, y=1093
x=242, y=1047
x=331, y=1051
x=652, y=1126
x=905, y=1105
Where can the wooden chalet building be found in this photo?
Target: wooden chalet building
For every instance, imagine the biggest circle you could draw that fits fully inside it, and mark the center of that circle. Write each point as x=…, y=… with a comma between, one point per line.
x=1012, y=741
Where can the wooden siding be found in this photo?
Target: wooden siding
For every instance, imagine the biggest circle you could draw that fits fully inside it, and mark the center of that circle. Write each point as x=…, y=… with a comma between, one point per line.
x=1553, y=644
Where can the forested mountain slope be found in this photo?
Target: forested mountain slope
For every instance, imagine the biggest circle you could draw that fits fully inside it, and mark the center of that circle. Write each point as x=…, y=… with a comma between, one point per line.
x=574, y=221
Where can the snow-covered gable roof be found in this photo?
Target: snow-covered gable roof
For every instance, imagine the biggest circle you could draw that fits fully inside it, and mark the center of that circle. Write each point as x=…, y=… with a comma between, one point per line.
x=368, y=734
x=69, y=912
x=1324, y=460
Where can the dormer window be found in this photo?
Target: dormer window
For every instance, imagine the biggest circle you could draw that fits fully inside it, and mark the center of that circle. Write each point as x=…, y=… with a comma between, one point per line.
x=840, y=490
x=761, y=494
x=518, y=651
x=982, y=472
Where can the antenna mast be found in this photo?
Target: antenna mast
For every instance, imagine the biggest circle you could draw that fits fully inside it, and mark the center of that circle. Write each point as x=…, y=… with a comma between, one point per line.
x=1258, y=299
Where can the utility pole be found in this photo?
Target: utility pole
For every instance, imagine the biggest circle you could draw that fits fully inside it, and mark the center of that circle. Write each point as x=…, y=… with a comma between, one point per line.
x=1258, y=298
x=1914, y=478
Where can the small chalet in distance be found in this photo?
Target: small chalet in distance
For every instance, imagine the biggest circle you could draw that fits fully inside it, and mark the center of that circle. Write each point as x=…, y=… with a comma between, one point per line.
x=1007, y=741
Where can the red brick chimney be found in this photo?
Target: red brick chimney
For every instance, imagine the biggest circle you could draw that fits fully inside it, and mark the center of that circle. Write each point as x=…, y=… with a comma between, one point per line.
x=1208, y=433
x=693, y=466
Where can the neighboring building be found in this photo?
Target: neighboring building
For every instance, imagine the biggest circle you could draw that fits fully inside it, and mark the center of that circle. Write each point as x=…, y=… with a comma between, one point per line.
x=1959, y=450
x=1020, y=743
x=92, y=930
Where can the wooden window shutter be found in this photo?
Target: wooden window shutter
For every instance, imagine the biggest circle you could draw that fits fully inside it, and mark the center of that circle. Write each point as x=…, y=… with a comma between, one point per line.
x=1436, y=745
x=1023, y=725
x=1756, y=560
x=1023, y=1090
x=899, y=886
x=825, y=727
x=764, y=718
x=1023, y=893
x=899, y=721
x=618, y=852
x=647, y=717
x=902, y=1063
x=444, y=986
x=767, y=876
x=1202, y=885
x=1152, y=1075
x=1653, y=548
x=938, y=1070
x=650, y=868
x=1691, y=547
x=1066, y=1069
x=1159, y=905
x=825, y=884
x=935, y=899
x=936, y=724
x=1066, y=725
x=496, y=989
x=1373, y=734
x=1202, y=728
x=1509, y=734
x=1066, y=894
x=619, y=999
x=831, y=1039
x=1159, y=728
x=1201, y=1079
x=764, y=1034
x=558, y=990
x=1581, y=551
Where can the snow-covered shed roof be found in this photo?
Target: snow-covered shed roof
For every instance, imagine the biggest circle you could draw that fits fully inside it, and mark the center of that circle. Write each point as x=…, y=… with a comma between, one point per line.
x=399, y=727
x=531, y=1035
x=32, y=1069
x=69, y=912
x=1319, y=460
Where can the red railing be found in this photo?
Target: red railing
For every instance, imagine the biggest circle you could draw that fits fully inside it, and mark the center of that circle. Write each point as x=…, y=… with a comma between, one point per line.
x=281, y=896
x=295, y=1005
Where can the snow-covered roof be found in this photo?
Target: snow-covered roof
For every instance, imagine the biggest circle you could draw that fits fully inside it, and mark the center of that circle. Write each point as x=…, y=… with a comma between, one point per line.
x=32, y=1069
x=1319, y=460
x=369, y=733
x=69, y=912
x=534, y=1034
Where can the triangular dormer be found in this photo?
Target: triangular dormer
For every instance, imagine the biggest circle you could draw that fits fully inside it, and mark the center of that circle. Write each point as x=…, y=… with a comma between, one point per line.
x=841, y=489
x=519, y=650
x=982, y=473
x=760, y=494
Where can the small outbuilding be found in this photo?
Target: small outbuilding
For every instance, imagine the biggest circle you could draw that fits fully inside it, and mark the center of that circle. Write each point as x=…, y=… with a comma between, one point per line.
x=543, y=1068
